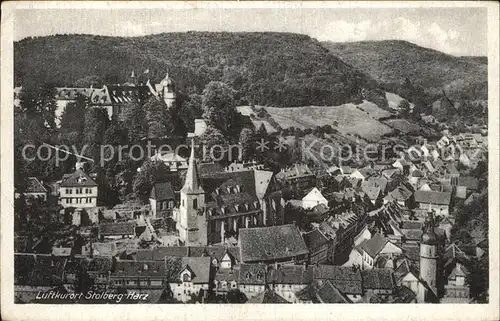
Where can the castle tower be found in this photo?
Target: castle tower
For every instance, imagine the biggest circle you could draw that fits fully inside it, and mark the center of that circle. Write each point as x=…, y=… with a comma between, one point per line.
x=192, y=225
x=428, y=257
x=167, y=91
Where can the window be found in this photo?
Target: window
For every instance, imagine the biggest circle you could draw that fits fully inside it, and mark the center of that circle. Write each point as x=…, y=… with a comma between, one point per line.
x=171, y=204
x=195, y=203
x=182, y=203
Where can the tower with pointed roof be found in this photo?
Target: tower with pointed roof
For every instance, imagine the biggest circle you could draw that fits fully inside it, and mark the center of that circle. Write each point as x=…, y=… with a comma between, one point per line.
x=428, y=257
x=192, y=224
x=167, y=91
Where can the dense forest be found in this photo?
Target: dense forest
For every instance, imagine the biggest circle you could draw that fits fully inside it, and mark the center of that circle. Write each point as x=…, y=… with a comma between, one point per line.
x=394, y=63
x=278, y=69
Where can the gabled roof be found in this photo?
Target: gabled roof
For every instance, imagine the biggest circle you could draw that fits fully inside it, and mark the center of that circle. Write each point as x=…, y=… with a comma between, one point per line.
x=404, y=294
x=432, y=197
x=346, y=279
x=377, y=279
x=469, y=182
x=290, y=274
x=372, y=192
x=379, y=182
x=139, y=268
x=271, y=243
x=374, y=245
x=162, y=191
x=315, y=239
x=78, y=179
x=123, y=228
x=268, y=296
x=252, y=274
x=34, y=186
x=328, y=293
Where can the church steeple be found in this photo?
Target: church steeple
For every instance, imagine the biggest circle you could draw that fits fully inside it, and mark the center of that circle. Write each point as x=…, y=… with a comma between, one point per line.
x=192, y=183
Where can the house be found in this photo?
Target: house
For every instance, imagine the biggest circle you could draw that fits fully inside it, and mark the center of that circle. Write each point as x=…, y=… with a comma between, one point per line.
x=379, y=182
x=138, y=275
x=373, y=193
x=431, y=200
x=117, y=230
x=226, y=280
x=287, y=280
x=456, y=289
x=188, y=276
x=267, y=297
x=357, y=174
x=321, y=247
x=251, y=279
x=214, y=206
x=468, y=183
x=299, y=175
x=376, y=247
x=407, y=274
x=471, y=198
x=200, y=126
x=78, y=190
x=347, y=280
x=378, y=281
x=282, y=243
x=313, y=198
x=401, y=195
x=36, y=273
x=172, y=160
x=162, y=199
x=35, y=189
x=113, y=97
x=327, y=292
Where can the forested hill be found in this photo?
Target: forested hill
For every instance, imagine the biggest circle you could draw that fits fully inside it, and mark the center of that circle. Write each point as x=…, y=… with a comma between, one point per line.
x=279, y=69
x=392, y=62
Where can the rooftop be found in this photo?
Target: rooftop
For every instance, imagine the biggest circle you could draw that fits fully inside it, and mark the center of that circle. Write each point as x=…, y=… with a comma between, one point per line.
x=271, y=243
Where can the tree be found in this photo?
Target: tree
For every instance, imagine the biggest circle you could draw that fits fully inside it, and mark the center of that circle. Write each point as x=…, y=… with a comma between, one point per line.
x=404, y=106
x=134, y=119
x=157, y=118
x=213, y=140
x=150, y=173
x=89, y=81
x=72, y=126
x=218, y=105
x=191, y=110
x=116, y=134
x=96, y=124
x=246, y=141
x=46, y=105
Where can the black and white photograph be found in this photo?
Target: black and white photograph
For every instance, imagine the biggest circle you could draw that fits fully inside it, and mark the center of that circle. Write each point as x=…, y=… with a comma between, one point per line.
x=286, y=153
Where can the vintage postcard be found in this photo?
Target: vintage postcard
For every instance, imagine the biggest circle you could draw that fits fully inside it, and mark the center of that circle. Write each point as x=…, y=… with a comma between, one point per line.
x=249, y=160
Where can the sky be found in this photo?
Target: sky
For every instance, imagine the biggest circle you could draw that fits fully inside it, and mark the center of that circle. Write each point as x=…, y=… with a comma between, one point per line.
x=456, y=31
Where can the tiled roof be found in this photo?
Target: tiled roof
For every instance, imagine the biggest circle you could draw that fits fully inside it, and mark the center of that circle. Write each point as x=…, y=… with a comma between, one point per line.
x=139, y=268
x=162, y=191
x=290, y=274
x=468, y=181
x=76, y=264
x=100, y=264
x=78, y=179
x=123, y=228
x=315, y=239
x=252, y=274
x=379, y=182
x=35, y=186
x=404, y=294
x=374, y=245
x=271, y=243
x=377, y=279
x=328, y=293
x=372, y=192
x=268, y=296
x=346, y=279
x=227, y=275
x=432, y=197
x=200, y=266
x=69, y=93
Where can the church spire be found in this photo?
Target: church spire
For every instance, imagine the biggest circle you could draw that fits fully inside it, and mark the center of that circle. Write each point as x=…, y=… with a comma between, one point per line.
x=192, y=183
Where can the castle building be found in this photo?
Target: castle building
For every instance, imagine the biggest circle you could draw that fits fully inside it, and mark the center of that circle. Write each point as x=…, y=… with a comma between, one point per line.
x=164, y=90
x=428, y=261
x=214, y=206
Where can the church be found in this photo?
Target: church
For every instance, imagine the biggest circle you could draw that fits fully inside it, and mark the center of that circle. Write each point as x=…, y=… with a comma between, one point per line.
x=213, y=207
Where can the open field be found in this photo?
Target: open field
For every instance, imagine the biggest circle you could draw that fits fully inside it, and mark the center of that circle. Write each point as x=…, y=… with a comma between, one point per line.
x=348, y=119
x=403, y=125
